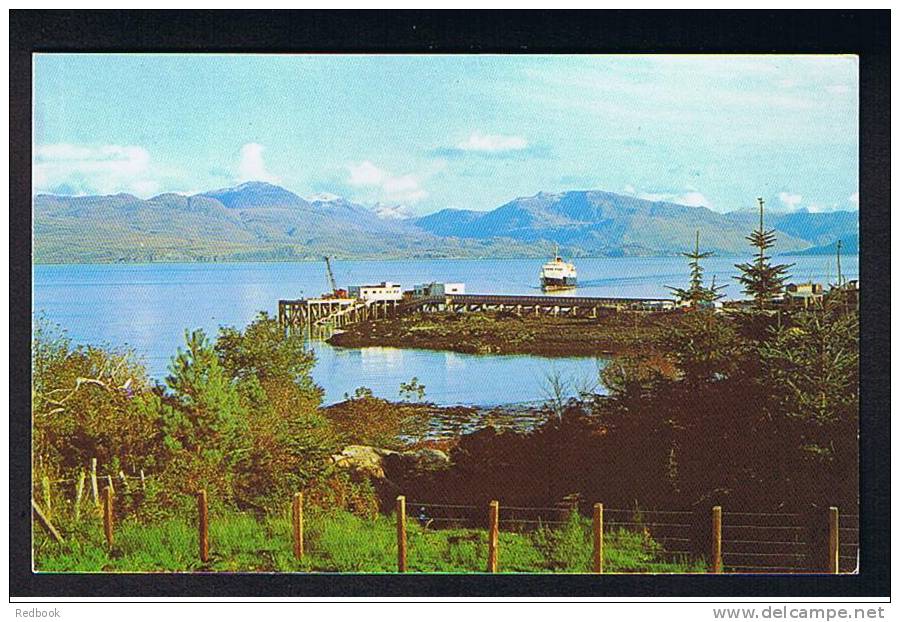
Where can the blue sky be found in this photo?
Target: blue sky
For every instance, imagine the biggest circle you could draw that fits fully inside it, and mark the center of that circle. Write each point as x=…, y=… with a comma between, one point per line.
x=471, y=132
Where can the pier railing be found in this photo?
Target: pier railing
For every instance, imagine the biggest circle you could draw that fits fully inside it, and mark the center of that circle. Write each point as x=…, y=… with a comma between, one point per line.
x=346, y=311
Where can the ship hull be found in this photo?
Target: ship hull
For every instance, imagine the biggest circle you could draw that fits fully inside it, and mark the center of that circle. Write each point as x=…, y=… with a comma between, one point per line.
x=550, y=284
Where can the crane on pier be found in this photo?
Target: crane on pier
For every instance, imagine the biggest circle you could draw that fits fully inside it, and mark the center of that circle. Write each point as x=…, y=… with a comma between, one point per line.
x=336, y=292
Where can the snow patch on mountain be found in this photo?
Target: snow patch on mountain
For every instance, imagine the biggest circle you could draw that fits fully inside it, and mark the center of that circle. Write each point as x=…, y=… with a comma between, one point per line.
x=324, y=197
x=392, y=212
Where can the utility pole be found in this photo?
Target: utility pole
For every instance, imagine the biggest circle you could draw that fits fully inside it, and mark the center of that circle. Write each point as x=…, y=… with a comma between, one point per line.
x=839, y=245
x=762, y=251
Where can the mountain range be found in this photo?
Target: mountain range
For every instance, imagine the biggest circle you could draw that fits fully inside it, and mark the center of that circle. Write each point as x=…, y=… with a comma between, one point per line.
x=261, y=221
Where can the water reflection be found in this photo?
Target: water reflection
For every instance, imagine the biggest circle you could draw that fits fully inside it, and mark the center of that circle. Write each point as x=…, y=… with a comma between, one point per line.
x=449, y=377
x=379, y=359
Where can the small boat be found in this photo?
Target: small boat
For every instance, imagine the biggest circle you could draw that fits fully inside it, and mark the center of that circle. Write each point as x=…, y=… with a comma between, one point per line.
x=558, y=274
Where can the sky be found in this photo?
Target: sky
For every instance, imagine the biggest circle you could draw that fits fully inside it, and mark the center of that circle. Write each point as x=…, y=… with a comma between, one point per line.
x=417, y=134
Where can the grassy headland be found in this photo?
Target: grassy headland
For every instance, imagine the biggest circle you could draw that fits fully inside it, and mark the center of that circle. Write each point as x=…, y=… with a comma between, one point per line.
x=507, y=333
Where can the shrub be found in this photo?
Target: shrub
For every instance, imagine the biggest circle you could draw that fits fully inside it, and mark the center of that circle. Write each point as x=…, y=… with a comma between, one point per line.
x=367, y=420
x=238, y=417
x=87, y=402
x=288, y=440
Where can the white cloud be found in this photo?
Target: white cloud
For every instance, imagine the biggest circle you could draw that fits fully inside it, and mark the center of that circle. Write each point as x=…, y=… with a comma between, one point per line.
x=94, y=169
x=654, y=196
x=145, y=187
x=492, y=143
x=252, y=167
x=790, y=200
x=693, y=198
x=391, y=188
x=690, y=197
x=366, y=174
x=854, y=198
x=404, y=185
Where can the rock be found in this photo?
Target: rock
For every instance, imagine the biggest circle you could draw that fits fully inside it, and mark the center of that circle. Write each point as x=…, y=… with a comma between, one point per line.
x=407, y=465
x=362, y=460
x=433, y=459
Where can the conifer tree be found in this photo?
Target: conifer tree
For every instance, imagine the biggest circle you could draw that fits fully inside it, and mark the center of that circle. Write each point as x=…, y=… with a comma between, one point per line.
x=209, y=412
x=696, y=293
x=762, y=280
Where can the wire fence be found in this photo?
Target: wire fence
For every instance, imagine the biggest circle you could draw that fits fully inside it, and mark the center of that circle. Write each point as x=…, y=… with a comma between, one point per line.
x=849, y=545
x=805, y=541
x=787, y=542
x=671, y=530
x=748, y=542
x=446, y=537
x=765, y=542
x=73, y=497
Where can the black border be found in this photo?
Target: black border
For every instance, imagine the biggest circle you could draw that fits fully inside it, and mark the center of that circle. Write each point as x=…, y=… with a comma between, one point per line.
x=865, y=33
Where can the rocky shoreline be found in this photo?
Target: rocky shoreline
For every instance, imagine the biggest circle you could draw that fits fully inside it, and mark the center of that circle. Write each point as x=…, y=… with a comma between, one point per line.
x=427, y=424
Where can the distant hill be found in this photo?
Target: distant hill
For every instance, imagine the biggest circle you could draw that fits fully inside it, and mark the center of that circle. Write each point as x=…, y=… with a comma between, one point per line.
x=260, y=221
x=604, y=223
x=849, y=246
x=253, y=222
x=814, y=227
x=256, y=194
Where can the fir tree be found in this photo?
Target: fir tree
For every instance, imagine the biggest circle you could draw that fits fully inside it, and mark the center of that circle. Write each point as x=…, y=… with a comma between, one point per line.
x=762, y=280
x=209, y=412
x=696, y=293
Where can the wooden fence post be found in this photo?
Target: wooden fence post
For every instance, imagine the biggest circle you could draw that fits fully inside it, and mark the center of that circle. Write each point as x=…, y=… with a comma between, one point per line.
x=203, y=513
x=493, y=535
x=833, y=541
x=48, y=508
x=143, y=485
x=716, y=553
x=598, y=538
x=297, y=522
x=109, y=483
x=79, y=492
x=401, y=534
x=108, y=515
x=45, y=522
x=94, y=487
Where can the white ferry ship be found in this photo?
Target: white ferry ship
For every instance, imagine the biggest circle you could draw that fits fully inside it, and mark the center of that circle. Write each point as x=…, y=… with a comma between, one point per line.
x=558, y=274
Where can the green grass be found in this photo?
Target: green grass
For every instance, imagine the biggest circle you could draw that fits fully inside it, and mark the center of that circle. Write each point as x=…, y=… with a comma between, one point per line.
x=342, y=542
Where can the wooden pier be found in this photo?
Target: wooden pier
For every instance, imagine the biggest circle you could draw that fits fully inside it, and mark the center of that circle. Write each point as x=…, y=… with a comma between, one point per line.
x=337, y=312
x=309, y=312
x=571, y=306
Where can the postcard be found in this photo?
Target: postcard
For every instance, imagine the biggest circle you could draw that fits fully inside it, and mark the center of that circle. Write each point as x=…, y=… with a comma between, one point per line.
x=484, y=313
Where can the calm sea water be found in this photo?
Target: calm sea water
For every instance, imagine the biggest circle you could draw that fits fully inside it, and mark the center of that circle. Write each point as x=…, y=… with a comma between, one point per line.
x=149, y=306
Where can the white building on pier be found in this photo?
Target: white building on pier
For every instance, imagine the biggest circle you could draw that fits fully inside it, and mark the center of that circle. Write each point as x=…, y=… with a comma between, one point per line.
x=384, y=291
x=428, y=290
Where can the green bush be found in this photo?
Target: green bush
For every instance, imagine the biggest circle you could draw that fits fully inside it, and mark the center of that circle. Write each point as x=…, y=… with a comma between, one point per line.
x=238, y=417
x=86, y=404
